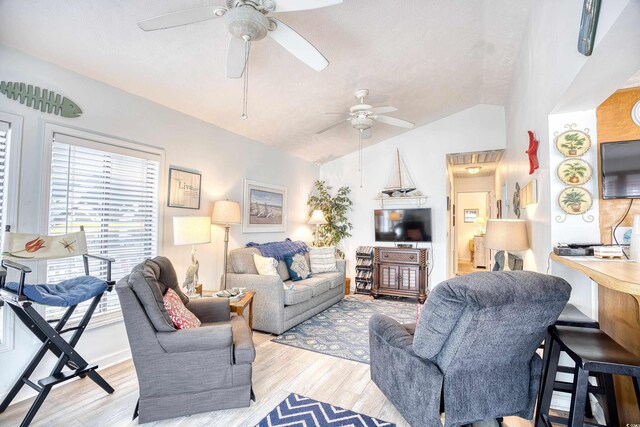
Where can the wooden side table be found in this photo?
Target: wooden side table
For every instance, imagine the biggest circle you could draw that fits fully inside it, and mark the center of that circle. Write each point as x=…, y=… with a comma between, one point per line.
x=238, y=307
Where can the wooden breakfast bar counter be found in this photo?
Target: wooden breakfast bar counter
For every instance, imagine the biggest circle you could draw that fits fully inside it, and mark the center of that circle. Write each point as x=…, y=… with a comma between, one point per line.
x=618, y=314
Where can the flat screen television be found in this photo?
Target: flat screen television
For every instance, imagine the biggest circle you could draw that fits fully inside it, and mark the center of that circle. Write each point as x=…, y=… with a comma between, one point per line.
x=620, y=169
x=402, y=225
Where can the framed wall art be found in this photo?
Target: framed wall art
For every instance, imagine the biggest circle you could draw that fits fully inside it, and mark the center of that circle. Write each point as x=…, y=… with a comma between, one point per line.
x=265, y=208
x=471, y=215
x=573, y=143
x=574, y=172
x=184, y=189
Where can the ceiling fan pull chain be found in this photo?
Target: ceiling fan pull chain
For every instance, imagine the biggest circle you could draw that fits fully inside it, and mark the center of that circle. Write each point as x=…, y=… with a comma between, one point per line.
x=360, y=156
x=247, y=48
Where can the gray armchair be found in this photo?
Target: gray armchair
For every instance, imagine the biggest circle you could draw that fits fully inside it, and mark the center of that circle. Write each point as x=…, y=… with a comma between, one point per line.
x=473, y=352
x=183, y=372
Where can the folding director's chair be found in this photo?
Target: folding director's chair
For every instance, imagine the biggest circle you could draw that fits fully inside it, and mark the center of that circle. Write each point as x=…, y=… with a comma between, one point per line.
x=68, y=293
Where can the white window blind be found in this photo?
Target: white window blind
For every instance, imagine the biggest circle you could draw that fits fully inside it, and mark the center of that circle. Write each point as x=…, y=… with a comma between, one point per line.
x=113, y=192
x=4, y=135
x=4, y=148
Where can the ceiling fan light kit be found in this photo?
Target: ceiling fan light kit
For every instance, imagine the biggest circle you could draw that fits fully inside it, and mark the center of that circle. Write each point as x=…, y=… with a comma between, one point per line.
x=247, y=22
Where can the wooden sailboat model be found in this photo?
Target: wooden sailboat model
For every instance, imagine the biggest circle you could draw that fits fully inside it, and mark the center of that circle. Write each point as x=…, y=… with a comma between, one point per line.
x=401, y=182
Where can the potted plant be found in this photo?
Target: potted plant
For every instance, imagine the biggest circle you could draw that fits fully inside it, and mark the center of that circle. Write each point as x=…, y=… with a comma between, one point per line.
x=573, y=200
x=573, y=142
x=574, y=171
x=335, y=210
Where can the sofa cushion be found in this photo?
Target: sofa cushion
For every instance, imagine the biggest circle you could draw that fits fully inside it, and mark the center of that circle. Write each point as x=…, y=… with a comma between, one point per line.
x=297, y=266
x=319, y=285
x=265, y=266
x=297, y=294
x=283, y=271
x=241, y=260
x=323, y=259
x=336, y=278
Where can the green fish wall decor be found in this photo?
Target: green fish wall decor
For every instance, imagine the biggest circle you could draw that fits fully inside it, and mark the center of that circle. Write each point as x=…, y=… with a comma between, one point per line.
x=40, y=99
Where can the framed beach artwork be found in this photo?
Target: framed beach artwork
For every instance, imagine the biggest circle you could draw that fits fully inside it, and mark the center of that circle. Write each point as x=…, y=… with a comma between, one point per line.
x=184, y=189
x=265, y=208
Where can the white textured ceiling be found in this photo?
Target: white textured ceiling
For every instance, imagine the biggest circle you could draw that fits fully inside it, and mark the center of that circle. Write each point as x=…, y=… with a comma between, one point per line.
x=428, y=58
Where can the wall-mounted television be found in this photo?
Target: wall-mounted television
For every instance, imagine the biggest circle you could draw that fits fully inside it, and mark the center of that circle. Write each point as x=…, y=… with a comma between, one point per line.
x=620, y=169
x=402, y=225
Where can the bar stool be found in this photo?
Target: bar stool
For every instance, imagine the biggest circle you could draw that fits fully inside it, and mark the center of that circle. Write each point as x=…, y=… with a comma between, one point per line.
x=595, y=353
x=570, y=316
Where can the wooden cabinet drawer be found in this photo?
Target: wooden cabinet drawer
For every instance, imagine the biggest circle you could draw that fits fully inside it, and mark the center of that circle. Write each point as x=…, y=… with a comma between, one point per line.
x=403, y=256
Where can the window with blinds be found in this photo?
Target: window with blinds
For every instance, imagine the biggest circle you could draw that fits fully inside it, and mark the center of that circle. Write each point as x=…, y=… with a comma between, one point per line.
x=4, y=148
x=113, y=192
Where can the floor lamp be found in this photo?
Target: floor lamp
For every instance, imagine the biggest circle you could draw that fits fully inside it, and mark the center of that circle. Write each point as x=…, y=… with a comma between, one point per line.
x=506, y=235
x=225, y=213
x=317, y=219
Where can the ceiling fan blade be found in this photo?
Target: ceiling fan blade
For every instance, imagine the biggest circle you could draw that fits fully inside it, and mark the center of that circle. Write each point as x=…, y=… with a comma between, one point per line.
x=394, y=122
x=298, y=46
x=332, y=126
x=339, y=114
x=367, y=133
x=383, y=110
x=295, y=5
x=182, y=17
x=236, y=58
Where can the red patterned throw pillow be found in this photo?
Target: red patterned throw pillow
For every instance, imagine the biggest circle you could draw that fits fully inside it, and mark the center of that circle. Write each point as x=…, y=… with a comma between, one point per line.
x=180, y=315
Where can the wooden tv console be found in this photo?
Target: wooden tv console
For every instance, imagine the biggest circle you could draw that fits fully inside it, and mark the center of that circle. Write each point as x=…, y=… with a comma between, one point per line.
x=400, y=272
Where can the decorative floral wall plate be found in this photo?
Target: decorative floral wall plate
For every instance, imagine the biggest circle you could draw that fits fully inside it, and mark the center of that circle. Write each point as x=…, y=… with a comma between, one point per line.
x=574, y=172
x=573, y=143
x=575, y=200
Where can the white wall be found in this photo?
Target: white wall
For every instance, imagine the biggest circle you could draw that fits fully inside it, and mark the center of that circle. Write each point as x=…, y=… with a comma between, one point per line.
x=552, y=75
x=424, y=151
x=224, y=159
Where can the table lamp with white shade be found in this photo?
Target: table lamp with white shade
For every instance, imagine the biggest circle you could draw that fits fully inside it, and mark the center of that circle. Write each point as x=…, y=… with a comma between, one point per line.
x=226, y=213
x=317, y=219
x=508, y=235
x=191, y=230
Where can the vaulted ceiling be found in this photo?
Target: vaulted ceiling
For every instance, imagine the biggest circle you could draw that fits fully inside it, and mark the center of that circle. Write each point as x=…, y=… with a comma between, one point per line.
x=428, y=58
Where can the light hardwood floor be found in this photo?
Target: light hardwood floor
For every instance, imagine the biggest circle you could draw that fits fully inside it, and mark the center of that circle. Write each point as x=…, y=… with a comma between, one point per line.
x=278, y=371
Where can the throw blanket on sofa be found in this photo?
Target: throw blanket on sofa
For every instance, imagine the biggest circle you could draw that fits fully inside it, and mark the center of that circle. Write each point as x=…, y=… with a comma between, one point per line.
x=279, y=250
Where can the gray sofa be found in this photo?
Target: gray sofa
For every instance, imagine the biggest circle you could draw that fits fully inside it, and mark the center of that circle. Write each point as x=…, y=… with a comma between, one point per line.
x=183, y=372
x=276, y=309
x=473, y=352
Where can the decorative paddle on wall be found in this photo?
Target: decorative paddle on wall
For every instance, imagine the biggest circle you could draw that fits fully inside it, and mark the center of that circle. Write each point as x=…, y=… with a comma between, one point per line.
x=40, y=99
x=247, y=21
x=588, y=26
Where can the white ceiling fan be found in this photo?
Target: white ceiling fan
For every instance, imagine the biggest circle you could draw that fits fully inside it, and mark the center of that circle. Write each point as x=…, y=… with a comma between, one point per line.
x=361, y=116
x=248, y=21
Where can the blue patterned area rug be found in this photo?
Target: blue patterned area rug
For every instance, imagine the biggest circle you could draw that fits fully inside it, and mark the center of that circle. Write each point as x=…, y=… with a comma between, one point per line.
x=300, y=411
x=342, y=330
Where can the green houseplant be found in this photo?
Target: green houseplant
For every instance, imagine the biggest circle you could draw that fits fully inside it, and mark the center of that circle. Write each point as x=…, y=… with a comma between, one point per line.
x=335, y=210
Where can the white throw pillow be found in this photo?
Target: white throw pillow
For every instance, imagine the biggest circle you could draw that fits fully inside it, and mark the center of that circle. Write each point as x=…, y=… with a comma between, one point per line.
x=265, y=266
x=323, y=260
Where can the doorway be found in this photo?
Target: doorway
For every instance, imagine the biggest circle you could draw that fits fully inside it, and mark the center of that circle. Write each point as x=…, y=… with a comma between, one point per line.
x=474, y=187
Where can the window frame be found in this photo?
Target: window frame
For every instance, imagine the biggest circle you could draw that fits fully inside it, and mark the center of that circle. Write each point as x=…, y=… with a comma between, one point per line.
x=50, y=129
x=11, y=210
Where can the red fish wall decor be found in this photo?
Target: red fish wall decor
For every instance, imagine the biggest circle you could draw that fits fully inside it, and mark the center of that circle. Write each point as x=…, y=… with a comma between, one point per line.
x=533, y=153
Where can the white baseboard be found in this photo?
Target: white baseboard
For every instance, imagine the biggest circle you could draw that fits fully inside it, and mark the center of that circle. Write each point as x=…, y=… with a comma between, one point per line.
x=103, y=363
